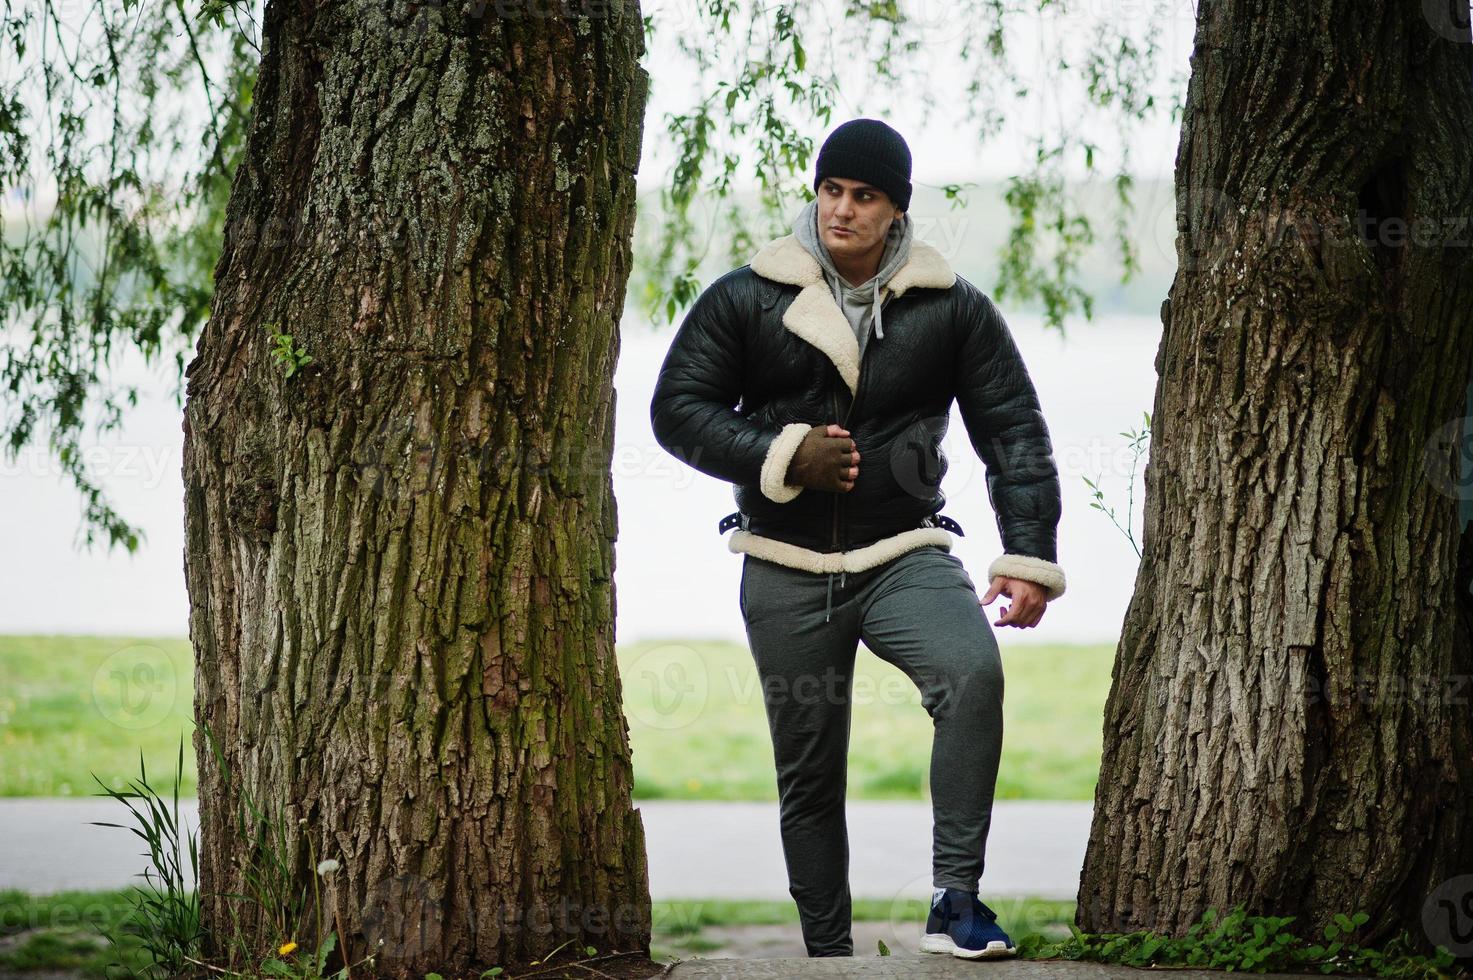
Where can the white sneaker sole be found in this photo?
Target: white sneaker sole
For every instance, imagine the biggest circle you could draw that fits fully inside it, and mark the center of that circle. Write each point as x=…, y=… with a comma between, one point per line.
x=940, y=942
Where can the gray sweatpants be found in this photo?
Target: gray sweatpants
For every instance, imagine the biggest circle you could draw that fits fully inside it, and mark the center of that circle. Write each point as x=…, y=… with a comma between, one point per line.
x=920, y=612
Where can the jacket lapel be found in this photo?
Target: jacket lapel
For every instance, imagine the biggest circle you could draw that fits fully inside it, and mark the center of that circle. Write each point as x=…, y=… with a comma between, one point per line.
x=815, y=316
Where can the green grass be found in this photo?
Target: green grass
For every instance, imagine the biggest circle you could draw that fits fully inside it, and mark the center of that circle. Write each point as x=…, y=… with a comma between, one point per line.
x=682, y=917
x=62, y=935
x=74, y=705
x=699, y=729
x=64, y=931
x=677, y=927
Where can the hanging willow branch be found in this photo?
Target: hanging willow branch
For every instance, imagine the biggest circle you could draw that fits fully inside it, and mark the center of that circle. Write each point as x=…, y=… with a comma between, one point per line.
x=119, y=138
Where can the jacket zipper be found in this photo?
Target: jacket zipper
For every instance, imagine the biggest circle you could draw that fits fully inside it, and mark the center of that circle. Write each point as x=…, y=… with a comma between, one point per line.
x=858, y=390
x=835, y=538
x=859, y=384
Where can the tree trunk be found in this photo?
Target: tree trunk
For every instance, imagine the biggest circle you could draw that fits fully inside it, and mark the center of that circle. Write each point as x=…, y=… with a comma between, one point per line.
x=1288, y=725
x=400, y=558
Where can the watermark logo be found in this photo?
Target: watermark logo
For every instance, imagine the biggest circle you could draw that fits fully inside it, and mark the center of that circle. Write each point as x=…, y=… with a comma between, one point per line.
x=666, y=686
x=1447, y=459
x=401, y=919
x=917, y=461
x=135, y=687
x=1449, y=19
x=1447, y=915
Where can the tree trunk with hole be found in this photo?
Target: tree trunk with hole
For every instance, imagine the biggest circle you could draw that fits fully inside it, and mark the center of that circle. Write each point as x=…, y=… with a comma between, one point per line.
x=400, y=557
x=1289, y=724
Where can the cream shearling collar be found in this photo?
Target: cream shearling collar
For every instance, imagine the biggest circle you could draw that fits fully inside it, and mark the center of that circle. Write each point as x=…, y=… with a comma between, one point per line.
x=813, y=314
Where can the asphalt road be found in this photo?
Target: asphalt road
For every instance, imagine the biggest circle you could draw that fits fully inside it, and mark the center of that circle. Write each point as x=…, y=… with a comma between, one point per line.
x=696, y=849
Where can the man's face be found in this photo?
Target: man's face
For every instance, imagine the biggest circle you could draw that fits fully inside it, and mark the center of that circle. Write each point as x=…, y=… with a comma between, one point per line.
x=864, y=210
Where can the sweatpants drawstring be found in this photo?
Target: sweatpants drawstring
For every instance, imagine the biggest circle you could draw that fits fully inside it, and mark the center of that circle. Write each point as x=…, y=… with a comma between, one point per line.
x=828, y=609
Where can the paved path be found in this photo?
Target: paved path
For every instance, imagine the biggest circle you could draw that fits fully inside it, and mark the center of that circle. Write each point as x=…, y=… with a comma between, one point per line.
x=1033, y=848
x=696, y=849
x=925, y=965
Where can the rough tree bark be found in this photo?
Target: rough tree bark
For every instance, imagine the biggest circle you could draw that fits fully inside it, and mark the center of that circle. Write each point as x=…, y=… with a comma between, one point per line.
x=1288, y=725
x=400, y=559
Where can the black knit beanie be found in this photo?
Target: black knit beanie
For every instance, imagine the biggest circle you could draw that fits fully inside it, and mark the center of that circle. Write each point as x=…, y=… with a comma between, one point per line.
x=870, y=151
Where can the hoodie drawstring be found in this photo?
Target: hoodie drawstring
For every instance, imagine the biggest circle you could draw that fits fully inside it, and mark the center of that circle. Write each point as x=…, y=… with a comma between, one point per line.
x=879, y=331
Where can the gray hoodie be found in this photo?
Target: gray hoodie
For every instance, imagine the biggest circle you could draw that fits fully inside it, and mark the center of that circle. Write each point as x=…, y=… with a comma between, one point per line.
x=860, y=303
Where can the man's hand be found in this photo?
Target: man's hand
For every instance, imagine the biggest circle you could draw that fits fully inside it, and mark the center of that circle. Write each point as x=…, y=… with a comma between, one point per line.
x=1028, y=601
x=826, y=459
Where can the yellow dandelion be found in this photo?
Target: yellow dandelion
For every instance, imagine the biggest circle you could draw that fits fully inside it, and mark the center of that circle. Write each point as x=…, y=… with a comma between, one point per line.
x=286, y=948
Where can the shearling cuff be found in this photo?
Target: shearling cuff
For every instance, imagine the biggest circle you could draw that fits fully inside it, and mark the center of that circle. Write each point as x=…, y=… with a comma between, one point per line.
x=775, y=465
x=1029, y=569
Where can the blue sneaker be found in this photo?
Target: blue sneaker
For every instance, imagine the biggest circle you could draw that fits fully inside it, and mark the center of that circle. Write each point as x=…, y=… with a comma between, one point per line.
x=960, y=924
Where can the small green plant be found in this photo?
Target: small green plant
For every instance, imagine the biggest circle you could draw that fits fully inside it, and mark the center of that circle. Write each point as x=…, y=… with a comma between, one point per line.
x=307, y=967
x=165, y=918
x=293, y=357
x=272, y=886
x=1247, y=943
x=1137, y=445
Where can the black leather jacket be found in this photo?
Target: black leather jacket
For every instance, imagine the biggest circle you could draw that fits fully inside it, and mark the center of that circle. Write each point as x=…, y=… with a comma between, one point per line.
x=757, y=360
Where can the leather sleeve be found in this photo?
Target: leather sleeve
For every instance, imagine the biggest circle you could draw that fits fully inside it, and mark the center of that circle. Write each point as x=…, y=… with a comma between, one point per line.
x=700, y=383
x=1005, y=424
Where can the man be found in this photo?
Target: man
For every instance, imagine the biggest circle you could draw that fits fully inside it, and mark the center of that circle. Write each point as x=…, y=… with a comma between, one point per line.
x=818, y=379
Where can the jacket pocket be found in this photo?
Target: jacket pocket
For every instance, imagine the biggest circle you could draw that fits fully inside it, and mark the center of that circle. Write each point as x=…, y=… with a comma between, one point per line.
x=917, y=463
